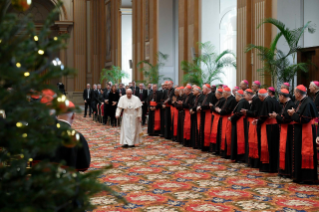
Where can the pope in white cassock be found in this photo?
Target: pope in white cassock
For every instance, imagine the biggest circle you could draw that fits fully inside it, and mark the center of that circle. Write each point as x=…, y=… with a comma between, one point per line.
x=131, y=128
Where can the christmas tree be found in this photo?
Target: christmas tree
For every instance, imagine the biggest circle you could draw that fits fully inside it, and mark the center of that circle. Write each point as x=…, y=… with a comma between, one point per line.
x=28, y=129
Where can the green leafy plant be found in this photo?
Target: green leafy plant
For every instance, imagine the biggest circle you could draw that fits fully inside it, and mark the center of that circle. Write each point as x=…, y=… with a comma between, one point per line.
x=268, y=56
x=151, y=72
x=115, y=74
x=29, y=130
x=288, y=71
x=208, y=66
x=276, y=63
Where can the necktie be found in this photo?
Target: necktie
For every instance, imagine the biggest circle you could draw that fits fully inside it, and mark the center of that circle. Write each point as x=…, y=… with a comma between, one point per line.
x=88, y=93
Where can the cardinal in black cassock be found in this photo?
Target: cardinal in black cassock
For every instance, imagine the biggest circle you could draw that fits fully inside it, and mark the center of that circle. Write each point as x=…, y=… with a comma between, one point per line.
x=269, y=134
x=239, y=138
x=174, y=114
x=253, y=130
x=168, y=94
x=195, y=117
x=205, y=118
x=187, y=105
x=163, y=109
x=225, y=112
x=154, y=115
x=286, y=134
x=304, y=157
x=180, y=117
x=216, y=125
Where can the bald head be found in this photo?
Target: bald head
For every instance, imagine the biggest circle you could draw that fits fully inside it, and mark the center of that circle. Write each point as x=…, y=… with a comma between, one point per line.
x=129, y=93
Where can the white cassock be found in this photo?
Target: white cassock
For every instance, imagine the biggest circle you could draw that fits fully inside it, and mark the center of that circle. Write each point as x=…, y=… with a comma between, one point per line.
x=131, y=128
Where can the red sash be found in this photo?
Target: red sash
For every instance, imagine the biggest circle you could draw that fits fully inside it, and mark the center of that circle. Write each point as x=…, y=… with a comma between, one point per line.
x=240, y=136
x=198, y=122
x=226, y=134
x=157, y=120
x=282, y=145
x=187, y=125
x=207, y=127
x=264, y=153
x=307, y=150
x=215, y=128
x=252, y=140
x=175, y=111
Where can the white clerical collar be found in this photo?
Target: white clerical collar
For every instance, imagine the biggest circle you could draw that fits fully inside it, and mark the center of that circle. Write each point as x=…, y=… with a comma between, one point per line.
x=65, y=121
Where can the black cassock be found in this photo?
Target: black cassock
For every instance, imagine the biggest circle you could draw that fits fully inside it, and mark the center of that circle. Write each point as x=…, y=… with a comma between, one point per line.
x=215, y=147
x=225, y=137
x=286, y=140
x=195, y=126
x=269, y=136
x=277, y=105
x=251, y=114
x=77, y=157
x=180, y=120
x=151, y=114
x=304, y=162
x=174, y=119
x=168, y=94
x=205, y=122
x=187, y=105
x=239, y=138
x=162, y=94
x=315, y=99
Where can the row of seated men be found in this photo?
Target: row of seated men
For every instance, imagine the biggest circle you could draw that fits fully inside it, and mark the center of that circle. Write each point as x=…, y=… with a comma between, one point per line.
x=245, y=125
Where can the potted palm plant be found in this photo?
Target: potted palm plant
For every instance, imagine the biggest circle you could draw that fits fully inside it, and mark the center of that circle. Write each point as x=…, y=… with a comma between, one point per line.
x=151, y=71
x=275, y=62
x=208, y=66
x=115, y=74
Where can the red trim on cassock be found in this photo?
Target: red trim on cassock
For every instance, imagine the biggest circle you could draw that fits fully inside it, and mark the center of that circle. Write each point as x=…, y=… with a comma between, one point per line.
x=198, y=121
x=240, y=136
x=282, y=145
x=252, y=140
x=207, y=128
x=213, y=139
x=175, y=120
x=157, y=120
x=226, y=134
x=187, y=125
x=307, y=150
x=264, y=153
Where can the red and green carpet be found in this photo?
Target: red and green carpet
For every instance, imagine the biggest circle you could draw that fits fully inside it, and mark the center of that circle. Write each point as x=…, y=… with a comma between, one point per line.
x=162, y=176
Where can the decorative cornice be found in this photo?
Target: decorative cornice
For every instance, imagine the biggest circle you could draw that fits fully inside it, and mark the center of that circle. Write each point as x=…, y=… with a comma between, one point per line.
x=63, y=26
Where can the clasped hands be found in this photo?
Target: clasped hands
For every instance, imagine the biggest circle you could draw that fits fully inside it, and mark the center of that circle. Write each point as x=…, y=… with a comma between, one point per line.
x=291, y=111
x=217, y=109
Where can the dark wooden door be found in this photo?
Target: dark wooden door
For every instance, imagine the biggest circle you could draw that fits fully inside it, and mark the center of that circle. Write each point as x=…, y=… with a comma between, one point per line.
x=308, y=55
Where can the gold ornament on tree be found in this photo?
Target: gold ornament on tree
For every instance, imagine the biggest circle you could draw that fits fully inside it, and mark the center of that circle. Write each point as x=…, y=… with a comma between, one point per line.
x=21, y=5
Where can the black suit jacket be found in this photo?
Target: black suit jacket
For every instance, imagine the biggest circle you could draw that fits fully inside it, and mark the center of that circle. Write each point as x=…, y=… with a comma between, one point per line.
x=142, y=97
x=85, y=94
x=122, y=91
x=95, y=96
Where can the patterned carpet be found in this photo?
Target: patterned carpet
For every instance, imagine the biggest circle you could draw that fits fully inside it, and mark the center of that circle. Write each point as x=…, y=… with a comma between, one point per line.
x=162, y=176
